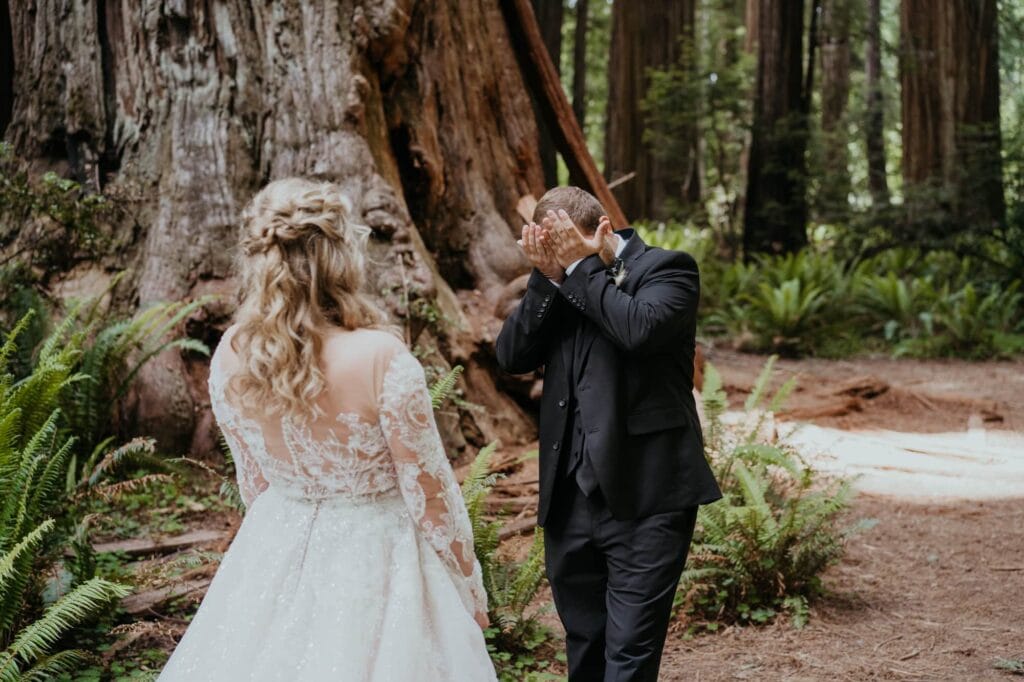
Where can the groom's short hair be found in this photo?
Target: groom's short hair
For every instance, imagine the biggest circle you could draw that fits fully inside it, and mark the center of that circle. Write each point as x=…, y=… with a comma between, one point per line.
x=583, y=207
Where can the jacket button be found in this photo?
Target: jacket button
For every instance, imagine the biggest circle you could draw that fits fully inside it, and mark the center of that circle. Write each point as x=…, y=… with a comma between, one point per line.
x=555, y=446
x=540, y=314
x=561, y=403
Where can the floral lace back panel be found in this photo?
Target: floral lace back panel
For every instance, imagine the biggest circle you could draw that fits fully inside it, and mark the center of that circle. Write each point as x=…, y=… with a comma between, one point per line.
x=376, y=437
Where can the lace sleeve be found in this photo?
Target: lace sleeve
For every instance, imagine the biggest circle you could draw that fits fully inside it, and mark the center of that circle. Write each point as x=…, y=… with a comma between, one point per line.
x=239, y=434
x=247, y=470
x=426, y=478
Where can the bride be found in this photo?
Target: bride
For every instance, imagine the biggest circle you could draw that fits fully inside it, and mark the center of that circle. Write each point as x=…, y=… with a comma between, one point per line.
x=355, y=559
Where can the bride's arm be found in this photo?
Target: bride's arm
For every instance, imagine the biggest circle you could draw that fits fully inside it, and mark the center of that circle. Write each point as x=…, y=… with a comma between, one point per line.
x=426, y=478
x=248, y=472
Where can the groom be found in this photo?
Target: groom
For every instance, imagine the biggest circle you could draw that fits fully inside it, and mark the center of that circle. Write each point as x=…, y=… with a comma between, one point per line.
x=622, y=466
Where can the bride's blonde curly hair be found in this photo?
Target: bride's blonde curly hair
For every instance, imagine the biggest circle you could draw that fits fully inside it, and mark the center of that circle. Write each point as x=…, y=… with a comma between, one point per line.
x=302, y=264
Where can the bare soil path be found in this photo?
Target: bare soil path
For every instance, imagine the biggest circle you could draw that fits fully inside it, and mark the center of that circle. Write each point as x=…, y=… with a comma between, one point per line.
x=935, y=591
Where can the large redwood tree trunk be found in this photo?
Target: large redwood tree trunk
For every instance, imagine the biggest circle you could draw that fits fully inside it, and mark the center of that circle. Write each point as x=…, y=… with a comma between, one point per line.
x=874, y=125
x=834, y=46
x=417, y=108
x=775, y=218
x=647, y=36
x=949, y=72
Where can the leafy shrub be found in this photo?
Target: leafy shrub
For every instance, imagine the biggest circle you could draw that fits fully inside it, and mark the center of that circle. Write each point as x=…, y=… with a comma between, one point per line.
x=55, y=453
x=519, y=644
x=761, y=549
x=51, y=222
x=812, y=303
x=35, y=456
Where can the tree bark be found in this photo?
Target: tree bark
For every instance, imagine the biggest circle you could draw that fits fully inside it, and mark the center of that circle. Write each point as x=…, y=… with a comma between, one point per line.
x=416, y=108
x=647, y=36
x=833, y=196
x=549, y=18
x=579, y=65
x=949, y=72
x=6, y=67
x=874, y=127
x=776, y=212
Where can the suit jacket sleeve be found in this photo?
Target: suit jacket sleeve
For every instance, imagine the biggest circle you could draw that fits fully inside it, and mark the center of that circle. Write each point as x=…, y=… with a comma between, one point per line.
x=649, y=320
x=525, y=335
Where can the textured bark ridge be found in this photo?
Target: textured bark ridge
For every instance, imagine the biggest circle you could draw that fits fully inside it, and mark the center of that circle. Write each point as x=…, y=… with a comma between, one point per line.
x=776, y=210
x=646, y=35
x=949, y=74
x=417, y=108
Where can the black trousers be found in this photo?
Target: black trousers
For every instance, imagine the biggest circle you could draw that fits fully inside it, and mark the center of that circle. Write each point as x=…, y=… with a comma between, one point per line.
x=613, y=583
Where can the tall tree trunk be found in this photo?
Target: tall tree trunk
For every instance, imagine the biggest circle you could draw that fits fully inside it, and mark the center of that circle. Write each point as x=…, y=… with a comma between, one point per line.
x=6, y=67
x=874, y=127
x=949, y=71
x=647, y=36
x=753, y=12
x=833, y=196
x=775, y=219
x=416, y=108
x=549, y=18
x=579, y=65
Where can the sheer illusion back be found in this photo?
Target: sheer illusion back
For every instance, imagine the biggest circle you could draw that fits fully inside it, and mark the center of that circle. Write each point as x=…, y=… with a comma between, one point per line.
x=375, y=437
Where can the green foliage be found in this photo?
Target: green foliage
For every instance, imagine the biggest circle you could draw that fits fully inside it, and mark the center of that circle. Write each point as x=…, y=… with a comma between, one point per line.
x=717, y=72
x=35, y=459
x=1011, y=665
x=902, y=301
x=56, y=455
x=444, y=387
x=519, y=644
x=760, y=551
x=49, y=221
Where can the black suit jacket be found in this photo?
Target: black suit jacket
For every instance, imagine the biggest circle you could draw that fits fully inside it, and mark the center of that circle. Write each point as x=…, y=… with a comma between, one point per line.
x=635, y=393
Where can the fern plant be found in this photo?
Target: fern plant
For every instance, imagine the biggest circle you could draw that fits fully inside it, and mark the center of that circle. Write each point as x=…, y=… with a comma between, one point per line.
x=112, y=355
x=761, y=549
x=515, y=636
x=35, y=457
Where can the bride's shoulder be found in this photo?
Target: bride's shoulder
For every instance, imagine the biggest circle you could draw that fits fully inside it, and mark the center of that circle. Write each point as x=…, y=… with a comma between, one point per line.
x=367, y=348
x=224, y=349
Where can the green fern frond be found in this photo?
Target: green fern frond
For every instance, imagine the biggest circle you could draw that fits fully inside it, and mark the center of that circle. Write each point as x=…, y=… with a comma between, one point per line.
x=529, y=574
x=715, y=402
x=782, y=395
x=9, y=560
x=83, y=602
x=56, y=666
x=135, y=452
x=761, y=385
x=442, y=389
x=10, y=345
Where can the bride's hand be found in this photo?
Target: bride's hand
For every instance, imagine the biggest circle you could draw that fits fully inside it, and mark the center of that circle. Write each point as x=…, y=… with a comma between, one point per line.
x=481, y=619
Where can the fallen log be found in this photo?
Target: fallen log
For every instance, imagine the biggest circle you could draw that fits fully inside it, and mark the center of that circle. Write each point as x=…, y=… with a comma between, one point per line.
x=144, y=546
x=518, y=528
x=151, y=599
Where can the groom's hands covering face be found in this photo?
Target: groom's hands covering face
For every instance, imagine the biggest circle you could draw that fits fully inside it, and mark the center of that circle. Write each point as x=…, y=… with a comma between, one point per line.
x=569, y=243
x=537, y=246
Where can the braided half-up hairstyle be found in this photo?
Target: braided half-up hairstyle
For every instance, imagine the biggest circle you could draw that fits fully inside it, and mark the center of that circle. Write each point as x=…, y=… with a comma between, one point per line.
x=301, y=265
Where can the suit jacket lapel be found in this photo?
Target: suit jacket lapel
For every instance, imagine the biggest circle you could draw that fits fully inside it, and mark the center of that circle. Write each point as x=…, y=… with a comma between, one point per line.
x=633, y=249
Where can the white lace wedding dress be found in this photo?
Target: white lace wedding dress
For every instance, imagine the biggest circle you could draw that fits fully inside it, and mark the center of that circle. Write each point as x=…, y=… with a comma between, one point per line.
x=355, y=558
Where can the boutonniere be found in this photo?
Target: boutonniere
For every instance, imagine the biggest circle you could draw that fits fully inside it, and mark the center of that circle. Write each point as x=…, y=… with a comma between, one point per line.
x=618, y=271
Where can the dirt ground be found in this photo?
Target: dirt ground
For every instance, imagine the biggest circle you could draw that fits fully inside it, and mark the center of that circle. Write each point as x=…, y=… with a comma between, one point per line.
x=930, y=593
x=933, y=591
x=915, y=395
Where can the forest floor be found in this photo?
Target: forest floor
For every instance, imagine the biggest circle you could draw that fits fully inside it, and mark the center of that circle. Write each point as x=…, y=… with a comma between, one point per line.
x=931, y=592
